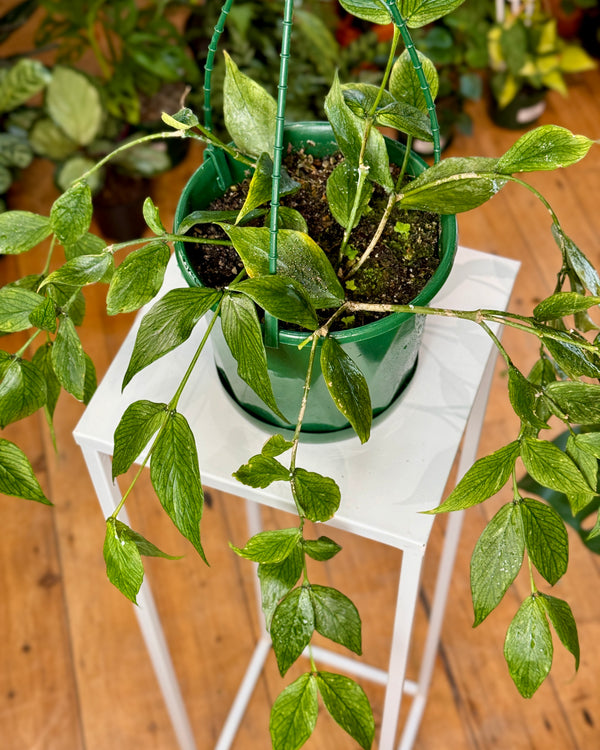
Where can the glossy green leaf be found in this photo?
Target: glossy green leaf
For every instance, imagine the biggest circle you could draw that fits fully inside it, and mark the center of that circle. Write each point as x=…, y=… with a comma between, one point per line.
x=175, y=476
x=322, y=548
x=565, y=350
x=276, y=445
x=22, y=391
x=294, y=714
x=138, y=278
x=277, y=579
x=71, y=213
x=454, y=185
x=16, y=305
x=152, y=216
x=549, y=466
x=23, y=80
x=336, y=617
x=319, y=496
x=261, y=186
x=589, y=442
x=579, y=401
x=282, y=297
x=270, y=547
x=249, y=112
x=348, y=705
x=17, y=477
x=365, y=98
x=205, y=217
x=404, y=83
x=298, y=257
x=168, y=323
x=422, y=12
x=543, y=148
x=22, y=230
x=348, y=129
x=369, y=10
x=42, y=360
x=292, y=627
x=528, y=647
x=342, y=186
x=287, y=218
x=87, y=244
x=261, y=471
x=347, y=386
x=560, y=615
x=74, y=104
x=44, y=316
x=486, y=477
x=242, y=332
x=68, y=359
x=496, y=560
x=140, y=421
x=82, y=270
x=563, y=303
x=124, y=566
x=546, y=539
x=585, y=271
x=185, y=119
x=523, y=397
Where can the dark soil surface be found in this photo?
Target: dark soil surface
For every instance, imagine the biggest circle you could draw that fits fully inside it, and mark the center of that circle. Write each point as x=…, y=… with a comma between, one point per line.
x=404, y=260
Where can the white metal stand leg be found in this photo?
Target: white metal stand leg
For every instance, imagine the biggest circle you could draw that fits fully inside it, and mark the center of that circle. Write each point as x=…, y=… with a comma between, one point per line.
x=99, y=467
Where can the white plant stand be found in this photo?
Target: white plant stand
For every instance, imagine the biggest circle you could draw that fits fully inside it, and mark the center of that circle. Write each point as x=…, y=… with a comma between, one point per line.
x=416, y=439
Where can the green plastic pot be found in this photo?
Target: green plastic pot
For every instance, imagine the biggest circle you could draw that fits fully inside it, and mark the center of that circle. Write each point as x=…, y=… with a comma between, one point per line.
x=385, y=350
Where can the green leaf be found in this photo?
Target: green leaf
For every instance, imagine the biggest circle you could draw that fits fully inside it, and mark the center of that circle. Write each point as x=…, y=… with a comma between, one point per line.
x=336, y=617
x=49, y=141
x=124, y=566
x=260, y=188
x=549, y=466
x=44, y=316
x=586, y=463
x=298, y=257
x=185, y=119
x=579, y=401
x=71, y=213
x=276, y=445
x=348, y=705
x=90, y=382
x=249, y=112
x=404, y=82
x=422, y=12
x=42, y=360
x=294, y=714
x=87, y=244
x=348, y=129
x=168, y=324
x=292, y=627
x=563, y=622
x=585, y=271
x=347, y=387
x=206, y=217
x=138, y=278
x=140, y=421
x=70, y=304
x=68, y=359
x=270, y=547
x=242, y=332
x=24, y=79
x=82, y=270
x=261, y=471
x=146, y=548
x=16, y=305
x=524, y=397
x=175, y=476
x=17, y=477
x=341, y=194
x=319, y=496
x=486, y=477
x=22, y=391
x=152, y=216
x=74, y=104
x=454, y=185
x=546, y=147
x=496, y=560
x=589, y=442
x=546, y=539
x=322, y=548
x=282, y=297
x=22, y=230
x=368, y=10
x=528, y=647
x=570, y=357
x=277, y=579
x=563, y=303
x=287, y=218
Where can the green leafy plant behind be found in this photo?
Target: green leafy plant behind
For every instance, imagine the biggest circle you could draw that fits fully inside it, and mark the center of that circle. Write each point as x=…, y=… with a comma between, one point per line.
x=305, y=289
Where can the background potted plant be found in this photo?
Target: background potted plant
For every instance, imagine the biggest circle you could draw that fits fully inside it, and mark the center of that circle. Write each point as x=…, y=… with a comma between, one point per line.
x=50, y=305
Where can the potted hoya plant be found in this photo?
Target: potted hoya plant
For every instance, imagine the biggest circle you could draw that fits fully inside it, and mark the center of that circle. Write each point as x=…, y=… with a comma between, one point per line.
x=308, y=284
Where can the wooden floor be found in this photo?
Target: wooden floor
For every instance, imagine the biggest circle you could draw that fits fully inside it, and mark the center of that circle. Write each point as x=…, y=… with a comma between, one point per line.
x=74, y=673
